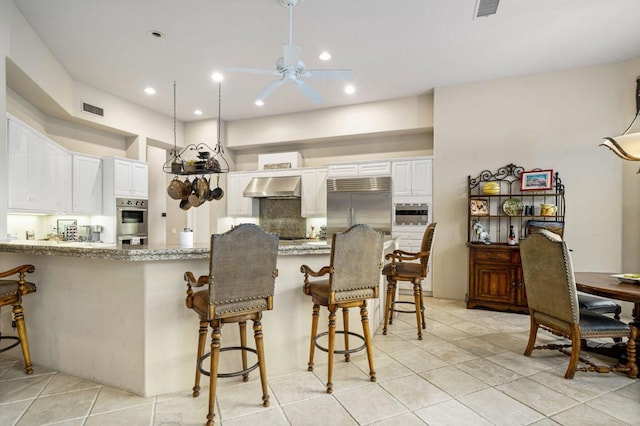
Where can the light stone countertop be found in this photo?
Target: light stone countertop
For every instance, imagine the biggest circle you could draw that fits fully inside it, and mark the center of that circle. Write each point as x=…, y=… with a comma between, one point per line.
x=143, y=253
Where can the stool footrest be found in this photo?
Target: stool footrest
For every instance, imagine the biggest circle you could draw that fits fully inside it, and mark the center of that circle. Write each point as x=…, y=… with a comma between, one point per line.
x=402, y=311
x=13, y=345
x=235, y=373
x=341, y=351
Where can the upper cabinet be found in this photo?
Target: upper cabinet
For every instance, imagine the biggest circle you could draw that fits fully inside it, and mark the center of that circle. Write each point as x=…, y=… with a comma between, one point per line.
x=373, y=168
x=314, y=192
x=412, y=177
x=87, y=184
x=39, y=176
x=237, y=204
x=126, y=178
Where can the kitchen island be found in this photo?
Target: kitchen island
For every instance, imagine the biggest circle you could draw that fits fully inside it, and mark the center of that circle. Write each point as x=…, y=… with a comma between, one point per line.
x=115, y=314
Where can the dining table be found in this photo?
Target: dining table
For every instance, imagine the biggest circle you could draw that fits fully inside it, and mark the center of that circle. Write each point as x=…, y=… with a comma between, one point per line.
x=605, y=284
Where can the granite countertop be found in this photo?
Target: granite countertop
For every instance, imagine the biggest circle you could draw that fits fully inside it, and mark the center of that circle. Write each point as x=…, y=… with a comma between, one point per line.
x=143, y=253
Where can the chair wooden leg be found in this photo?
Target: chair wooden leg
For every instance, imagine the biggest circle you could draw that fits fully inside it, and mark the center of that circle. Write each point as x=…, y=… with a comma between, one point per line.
x=314, y=331
x=243, y=343
x=533, y=331
x=18, y=316
x=345, y=321
x=417, y=300
x=393, y=300
x=213, y=371
x=388, y=305
x=631, y=353
x=262, y=365
x=364, y=316
x=331, y=348
x=202, y=336
x=422, y=308
x=576, y=345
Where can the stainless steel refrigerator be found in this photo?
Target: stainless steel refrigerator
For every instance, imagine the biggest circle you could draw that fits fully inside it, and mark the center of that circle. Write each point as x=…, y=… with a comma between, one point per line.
x=358, y=200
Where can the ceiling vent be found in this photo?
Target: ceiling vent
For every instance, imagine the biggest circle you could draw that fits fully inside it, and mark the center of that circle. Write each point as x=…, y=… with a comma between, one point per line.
x=486, y=7
x=92, y=109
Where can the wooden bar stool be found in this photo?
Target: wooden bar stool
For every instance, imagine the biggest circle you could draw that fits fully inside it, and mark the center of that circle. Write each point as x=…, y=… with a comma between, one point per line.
x=240, y=285
x=11, y=292
x=353, y=277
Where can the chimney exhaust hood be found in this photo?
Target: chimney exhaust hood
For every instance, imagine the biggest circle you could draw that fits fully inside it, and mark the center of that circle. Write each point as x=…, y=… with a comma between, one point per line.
x=273, y=187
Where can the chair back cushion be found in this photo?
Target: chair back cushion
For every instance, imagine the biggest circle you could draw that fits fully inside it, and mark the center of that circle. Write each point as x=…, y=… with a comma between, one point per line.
x=548, y=277
x=356, y=256
x=243, y=264
x=427, y=244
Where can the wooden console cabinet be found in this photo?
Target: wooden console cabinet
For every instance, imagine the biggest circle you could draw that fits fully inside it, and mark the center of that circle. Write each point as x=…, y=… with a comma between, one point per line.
x=495, y=273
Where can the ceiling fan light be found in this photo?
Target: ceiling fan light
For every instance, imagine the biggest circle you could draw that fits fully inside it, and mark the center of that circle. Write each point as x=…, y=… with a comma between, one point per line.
x=626, y=147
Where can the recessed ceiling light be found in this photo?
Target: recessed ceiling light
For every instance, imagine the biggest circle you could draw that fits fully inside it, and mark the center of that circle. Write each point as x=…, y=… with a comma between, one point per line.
x=217, y=76
x=325, y=56
x=150, y=90
x=349, y=89
x=156, y=34
x=197, y=112
x=259, y=102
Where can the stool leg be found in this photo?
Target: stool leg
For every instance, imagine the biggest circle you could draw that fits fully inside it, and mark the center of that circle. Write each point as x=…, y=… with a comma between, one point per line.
x=424, y=323
x=332, y=341
x=18, y=316
x=393, y=299
x=213, y=371
x=202, y=336
x=243, y=343
x=387, y=307
x=417, y=298
x=345, y=320
x=314, y=331
x=257, y=334
x=367, y=339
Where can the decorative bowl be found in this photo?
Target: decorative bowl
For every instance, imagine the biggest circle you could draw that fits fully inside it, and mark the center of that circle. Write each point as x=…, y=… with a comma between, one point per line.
x=491, y=188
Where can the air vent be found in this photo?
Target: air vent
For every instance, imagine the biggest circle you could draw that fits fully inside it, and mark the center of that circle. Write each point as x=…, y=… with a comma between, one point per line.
x=92, y=109
x=486, y=7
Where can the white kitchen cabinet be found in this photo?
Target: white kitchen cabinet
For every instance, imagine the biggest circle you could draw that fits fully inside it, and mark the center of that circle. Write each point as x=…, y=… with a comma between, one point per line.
x=87, y=184
x=126, y=178
x=237, y=204
x=39, y=177
x=314, y=192
x=412, y=177
x=343, y=170
x=369, y=168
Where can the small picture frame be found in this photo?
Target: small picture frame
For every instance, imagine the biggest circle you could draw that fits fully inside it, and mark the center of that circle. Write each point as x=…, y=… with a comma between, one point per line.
x=479, y=207
x=536, y=180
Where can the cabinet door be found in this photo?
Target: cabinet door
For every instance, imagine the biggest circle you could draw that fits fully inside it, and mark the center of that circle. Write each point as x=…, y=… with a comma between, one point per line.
x=25, y=167
x=382, y=168
x=237, y=204
x=421, y=177
x=87, y=184
x=122, y=178
x=493, y=283
x=314, y=193
x=343, y=170
x=57, y=182
x=401, y=178
x=140, y=180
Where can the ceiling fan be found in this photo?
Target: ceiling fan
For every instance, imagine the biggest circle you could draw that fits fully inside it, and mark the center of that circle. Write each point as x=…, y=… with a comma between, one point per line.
x=290, y=68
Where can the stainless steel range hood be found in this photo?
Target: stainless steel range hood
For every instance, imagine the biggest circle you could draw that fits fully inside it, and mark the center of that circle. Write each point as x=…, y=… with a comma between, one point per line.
x=273, y=187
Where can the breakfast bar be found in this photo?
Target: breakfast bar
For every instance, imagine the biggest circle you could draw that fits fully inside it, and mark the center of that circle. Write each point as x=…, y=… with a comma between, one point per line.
x=115, y=314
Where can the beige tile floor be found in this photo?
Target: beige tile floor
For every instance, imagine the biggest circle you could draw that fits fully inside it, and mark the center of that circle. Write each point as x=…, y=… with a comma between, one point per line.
x=468, y=370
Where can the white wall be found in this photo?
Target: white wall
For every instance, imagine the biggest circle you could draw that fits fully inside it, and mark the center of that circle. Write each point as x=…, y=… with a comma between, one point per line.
x=549, y=121
x=4, y=52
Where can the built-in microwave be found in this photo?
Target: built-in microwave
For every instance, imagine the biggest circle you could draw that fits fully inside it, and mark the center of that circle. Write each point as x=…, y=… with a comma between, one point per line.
x=411, y=213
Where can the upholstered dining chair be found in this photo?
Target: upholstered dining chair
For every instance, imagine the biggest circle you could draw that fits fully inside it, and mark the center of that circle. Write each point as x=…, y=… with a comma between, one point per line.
x=352, y=277
x=553, y=305
x=239, y=287
x=11, y=292
x=412, y=267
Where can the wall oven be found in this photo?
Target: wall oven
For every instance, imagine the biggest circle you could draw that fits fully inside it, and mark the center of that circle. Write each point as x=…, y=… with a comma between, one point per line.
x=411, y=214
x=131, y=220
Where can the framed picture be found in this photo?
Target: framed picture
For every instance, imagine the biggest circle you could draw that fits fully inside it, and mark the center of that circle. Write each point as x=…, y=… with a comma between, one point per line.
x=536, y=180
x=534, y=226
x=479, y=207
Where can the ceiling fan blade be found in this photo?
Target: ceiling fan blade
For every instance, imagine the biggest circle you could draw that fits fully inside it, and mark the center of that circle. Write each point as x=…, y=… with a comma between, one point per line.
x=329, y=74
x=252, y=70
x=291, y=55
x=270, y=89
x=309, y=92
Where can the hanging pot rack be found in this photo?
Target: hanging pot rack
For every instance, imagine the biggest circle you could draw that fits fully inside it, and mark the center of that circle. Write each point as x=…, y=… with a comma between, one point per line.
x=198, y=158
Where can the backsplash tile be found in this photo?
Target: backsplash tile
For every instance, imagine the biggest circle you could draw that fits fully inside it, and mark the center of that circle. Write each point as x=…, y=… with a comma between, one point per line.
x=283, y=217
